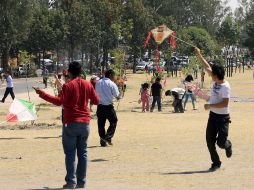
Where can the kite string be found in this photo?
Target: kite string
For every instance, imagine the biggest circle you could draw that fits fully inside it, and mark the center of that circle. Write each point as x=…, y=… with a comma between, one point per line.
x=185, y=42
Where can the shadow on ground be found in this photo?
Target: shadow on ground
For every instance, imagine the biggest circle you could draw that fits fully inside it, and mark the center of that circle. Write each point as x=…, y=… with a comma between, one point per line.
x=48, y=137
x=187, y=172
x=99, y=160
x=46, y=188
x=16, y=138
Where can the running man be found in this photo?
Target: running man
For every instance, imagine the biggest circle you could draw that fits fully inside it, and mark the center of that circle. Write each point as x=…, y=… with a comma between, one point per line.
x=219, y=119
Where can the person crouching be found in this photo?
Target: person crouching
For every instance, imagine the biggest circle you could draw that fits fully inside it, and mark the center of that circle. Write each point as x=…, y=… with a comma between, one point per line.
x=178, y=94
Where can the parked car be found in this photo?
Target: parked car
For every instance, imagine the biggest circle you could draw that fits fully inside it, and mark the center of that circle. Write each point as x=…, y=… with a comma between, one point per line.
x=142, y=65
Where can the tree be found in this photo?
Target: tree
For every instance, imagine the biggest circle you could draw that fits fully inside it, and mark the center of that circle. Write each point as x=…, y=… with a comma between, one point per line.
x=198, y=37
x=15, y=18
x=249, y=35
x=41, y=36
x=228, y=32
x=141, y=22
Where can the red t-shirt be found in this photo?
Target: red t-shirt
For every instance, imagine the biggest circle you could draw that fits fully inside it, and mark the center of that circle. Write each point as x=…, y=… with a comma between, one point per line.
x=74, y=99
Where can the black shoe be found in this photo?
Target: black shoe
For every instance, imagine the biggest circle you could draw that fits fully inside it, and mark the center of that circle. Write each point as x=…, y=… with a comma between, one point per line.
x=69, y=186
x=78, y=186
x=214, y=167
x=110, y=142
x=229, y=151
x=103, y=143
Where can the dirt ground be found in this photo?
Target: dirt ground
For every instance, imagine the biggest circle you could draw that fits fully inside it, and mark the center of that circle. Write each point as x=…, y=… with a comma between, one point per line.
x=152, y=151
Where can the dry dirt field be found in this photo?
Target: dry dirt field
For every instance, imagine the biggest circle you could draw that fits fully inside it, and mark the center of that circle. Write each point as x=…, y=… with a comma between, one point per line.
x=152, y=151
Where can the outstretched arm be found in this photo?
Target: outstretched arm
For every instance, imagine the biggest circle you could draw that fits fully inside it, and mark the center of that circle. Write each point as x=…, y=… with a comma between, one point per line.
x=205, y=64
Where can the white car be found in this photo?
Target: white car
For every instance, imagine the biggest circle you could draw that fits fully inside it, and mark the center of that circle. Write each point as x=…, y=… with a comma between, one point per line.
x=141, y=66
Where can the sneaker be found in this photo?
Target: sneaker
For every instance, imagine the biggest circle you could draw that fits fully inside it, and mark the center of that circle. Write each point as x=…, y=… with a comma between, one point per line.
x=110, y=142
x=103, y=142
x=229, y=151
x=214, y=167
x=79, y=186
x=69, y=186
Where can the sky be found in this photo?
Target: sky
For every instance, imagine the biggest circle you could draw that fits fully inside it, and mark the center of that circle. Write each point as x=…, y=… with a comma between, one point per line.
x=233, y=4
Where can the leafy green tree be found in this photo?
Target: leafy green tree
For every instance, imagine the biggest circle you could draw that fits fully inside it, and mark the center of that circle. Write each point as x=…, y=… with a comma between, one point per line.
x=228, y=32
x=198, y=37
x=15, y=18
x=249, y=36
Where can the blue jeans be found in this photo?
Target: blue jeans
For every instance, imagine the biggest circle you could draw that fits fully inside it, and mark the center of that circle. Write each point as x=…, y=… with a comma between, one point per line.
x=75, y=137
x=187, y=96
x=158, y=100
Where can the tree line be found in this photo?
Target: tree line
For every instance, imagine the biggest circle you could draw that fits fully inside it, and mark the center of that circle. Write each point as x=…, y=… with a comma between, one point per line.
x=96, y=27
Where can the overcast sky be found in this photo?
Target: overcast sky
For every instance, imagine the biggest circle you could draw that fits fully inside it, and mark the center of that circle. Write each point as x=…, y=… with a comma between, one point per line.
x=233, y=4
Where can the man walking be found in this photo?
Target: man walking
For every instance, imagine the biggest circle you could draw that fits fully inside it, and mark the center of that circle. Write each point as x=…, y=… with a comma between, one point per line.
x=107, y=90
x=219, y=119
x=74, y=98
x=156, y=93
x=9, y=88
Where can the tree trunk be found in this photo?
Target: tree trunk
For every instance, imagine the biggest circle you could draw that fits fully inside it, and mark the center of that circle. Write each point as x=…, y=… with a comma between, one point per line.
x=82, y=58
x=5, y=59
x=134, y=62
x=105, y=60
x=57, y=59
x=91, y=63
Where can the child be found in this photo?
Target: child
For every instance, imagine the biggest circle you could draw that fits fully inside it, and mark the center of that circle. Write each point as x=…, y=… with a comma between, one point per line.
x=145, y=97
x=189, y=93
x=178, y=94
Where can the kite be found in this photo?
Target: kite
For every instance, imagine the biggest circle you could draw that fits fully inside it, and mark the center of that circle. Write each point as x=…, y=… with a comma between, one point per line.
x=21, y=110
x=160, y=34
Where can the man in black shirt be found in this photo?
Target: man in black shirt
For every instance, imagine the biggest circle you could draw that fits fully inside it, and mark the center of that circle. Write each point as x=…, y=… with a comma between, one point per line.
x=156, y=89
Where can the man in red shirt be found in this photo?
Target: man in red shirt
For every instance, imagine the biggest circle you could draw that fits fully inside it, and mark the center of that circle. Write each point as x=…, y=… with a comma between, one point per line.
x=74, y=98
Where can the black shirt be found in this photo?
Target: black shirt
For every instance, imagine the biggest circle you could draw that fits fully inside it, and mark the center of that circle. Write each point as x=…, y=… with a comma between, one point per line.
x=156, y=89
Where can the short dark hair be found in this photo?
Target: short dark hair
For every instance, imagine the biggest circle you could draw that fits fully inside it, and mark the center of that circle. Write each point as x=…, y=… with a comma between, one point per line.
x=158, y=79
x=145, y=85
x=75, y=68
x=218, y=71
x=109, y=73
x=189, y=78
x=168, y=93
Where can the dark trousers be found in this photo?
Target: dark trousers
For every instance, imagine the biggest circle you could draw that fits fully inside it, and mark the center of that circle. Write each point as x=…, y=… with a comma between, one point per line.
x=158, y=100
x=178, y=103
x=106, y=113
x=217, y=131
x=74, y=139
x=7, y=92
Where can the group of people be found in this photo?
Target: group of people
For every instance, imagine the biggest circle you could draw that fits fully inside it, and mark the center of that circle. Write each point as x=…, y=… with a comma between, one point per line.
x=219, y=117
x=74, y=97
x=76, y=93
x=156, y=94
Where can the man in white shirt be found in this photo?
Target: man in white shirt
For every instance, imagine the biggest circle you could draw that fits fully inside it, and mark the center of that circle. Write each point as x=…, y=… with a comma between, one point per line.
x=9, y=88
x=107, y=90
x=219, y=119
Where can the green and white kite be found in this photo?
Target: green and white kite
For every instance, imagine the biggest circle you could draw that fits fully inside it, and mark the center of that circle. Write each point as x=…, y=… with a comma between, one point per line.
x=21, y=110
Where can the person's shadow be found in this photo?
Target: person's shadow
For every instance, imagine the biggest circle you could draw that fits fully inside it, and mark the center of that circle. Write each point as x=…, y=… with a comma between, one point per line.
x=47, y=188
x=187, y=172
